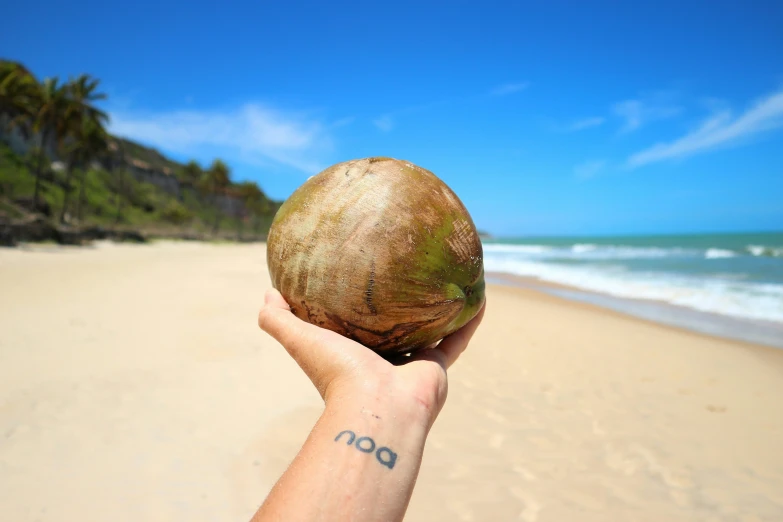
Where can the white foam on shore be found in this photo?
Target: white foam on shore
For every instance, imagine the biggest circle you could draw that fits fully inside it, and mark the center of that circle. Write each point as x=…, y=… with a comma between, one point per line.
x=718, y=253
x=754, y=331
x=579, y=248
x=590, y=252
x=750, y=300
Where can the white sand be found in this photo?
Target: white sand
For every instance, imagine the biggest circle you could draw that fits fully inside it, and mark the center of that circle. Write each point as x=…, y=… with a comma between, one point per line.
x=135, y=385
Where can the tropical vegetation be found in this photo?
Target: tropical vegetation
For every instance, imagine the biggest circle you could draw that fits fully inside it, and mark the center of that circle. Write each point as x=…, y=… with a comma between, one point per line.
x=74, y=173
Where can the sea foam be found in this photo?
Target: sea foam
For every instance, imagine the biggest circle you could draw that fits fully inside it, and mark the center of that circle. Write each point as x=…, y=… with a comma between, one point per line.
x=615, y=270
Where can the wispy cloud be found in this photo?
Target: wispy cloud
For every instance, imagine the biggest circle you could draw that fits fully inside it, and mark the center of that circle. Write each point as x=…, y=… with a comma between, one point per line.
x=585, y=123
x=388, y=121
x=721, y=129
x=647, y=108
x=254, y=132
x=589, y=169
x=509, y=88
x=384, y=123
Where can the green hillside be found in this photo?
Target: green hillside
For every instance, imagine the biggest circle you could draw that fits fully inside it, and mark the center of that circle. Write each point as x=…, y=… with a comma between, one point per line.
x=87, y=178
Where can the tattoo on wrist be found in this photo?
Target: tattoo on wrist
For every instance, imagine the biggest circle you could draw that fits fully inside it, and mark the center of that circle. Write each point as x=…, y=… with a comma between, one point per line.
x=366, y=445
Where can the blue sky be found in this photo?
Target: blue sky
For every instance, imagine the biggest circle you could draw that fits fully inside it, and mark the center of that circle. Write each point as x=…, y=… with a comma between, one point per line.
x=546, y=118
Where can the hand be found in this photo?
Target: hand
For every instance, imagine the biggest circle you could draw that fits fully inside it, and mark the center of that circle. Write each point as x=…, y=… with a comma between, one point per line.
x=342, y=369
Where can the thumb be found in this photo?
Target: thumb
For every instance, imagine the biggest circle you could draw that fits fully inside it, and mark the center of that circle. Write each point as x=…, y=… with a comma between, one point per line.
x=453, y=345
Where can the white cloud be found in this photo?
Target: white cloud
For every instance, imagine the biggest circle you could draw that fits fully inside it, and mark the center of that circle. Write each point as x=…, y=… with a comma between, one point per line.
x=589, y=169
x=718, y=130
x=639, y=112
x=384, y=123
x=509, y=88
x=585, y=123
x=254, y=132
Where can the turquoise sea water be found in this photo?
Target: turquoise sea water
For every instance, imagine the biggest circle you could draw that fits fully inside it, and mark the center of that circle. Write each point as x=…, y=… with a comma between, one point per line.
x=733, y=275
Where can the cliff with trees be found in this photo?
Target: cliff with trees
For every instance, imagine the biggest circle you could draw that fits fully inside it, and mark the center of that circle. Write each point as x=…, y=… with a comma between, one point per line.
x=63, y=177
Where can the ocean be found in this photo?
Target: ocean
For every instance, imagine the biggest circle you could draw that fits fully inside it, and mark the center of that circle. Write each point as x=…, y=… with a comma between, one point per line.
x=725, y=284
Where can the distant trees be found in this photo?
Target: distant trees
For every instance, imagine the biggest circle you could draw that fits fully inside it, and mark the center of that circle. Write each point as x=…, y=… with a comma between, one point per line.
x=252, y=198
x=256, y=205
x=176, y=213
x=192, y=172
x=217, y=178
x=117, y=181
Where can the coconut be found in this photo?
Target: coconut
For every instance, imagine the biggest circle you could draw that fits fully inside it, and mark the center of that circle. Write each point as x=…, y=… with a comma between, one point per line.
x=381, y=251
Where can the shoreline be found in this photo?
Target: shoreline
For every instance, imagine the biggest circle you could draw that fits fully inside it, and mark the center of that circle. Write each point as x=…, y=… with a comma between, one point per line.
x=40, y=230
x=752, y=331
x=756, y=332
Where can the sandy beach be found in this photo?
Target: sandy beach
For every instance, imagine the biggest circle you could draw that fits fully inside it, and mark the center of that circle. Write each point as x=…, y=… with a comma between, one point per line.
x=135, y=385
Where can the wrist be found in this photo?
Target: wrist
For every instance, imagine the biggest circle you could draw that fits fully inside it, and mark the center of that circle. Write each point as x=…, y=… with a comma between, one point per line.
x=375, y=433
x=380, y=405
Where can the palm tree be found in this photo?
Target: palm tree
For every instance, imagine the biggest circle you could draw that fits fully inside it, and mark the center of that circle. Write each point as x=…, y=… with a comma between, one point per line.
x=17, y=92
x=96, y=143
x=86, y=133
x=89, y=126
x=89, y=141
x=218, y=177
x=49, y=120
x=81, y=91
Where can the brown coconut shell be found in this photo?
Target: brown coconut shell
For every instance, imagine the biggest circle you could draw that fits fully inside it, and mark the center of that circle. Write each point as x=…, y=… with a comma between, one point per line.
x=380, y=251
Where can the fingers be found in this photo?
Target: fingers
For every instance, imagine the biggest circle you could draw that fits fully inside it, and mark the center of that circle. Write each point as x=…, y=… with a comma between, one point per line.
x=445, y=352
x=276, y=319
x=324, y=355
x=453, y=345
x=320, y=358
x=299, y=338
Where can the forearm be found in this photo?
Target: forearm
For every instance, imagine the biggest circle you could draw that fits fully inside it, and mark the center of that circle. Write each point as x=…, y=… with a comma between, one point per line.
x=359, y=463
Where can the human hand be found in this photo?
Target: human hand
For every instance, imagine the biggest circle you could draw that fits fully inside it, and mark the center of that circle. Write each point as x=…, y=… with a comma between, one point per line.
x=342, y=369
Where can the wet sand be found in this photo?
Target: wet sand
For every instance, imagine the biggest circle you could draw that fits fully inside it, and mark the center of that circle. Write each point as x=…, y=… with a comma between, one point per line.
x=135, y=385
